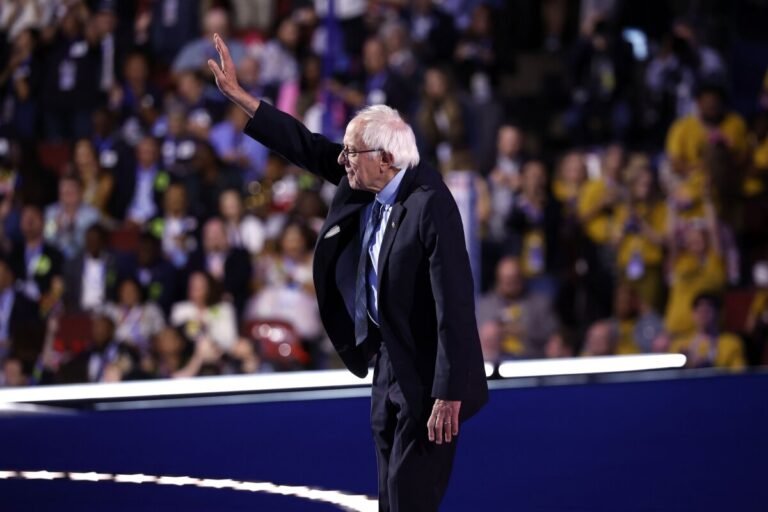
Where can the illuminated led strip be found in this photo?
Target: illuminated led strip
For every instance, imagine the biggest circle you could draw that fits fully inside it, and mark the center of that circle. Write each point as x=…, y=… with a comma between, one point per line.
x=186, y=387
x=590, y=365
x=348, y=502
x=326, y=379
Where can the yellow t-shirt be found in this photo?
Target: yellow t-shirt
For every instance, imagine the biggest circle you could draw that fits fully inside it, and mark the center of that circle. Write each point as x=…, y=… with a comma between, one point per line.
x=727, y=352
x=636, y=244
x=755, y=185
x=690, y=277
x=688, y=136
x=598, y=228
x=627, y=343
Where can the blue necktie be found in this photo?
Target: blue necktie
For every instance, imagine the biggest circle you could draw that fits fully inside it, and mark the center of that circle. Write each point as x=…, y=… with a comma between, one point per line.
x=361, y=294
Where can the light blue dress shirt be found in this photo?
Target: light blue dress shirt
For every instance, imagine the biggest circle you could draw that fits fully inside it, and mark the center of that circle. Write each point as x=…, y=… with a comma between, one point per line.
x=386, y=197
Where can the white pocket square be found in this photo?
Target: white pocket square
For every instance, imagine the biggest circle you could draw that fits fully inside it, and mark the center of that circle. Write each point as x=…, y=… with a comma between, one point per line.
x=335, y=230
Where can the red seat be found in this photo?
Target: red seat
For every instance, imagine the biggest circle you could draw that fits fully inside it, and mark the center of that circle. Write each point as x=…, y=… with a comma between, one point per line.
x=73, y=334
x=125, y=239
x=55, y=156
x=736, y=306
x=278, y=343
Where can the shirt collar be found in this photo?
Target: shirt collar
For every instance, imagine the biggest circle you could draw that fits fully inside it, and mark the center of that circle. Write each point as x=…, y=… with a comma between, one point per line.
x=388, y=194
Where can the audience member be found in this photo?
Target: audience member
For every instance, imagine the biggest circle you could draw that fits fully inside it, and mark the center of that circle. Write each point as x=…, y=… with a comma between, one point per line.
x=204, y=317
x=707, y=345
x=67, y=219
x=525, y=319
x=136, y=320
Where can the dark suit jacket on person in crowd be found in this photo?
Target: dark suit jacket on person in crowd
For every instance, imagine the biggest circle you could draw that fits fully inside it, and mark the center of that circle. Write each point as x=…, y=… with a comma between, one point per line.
x=426, y=297
x=50, y=265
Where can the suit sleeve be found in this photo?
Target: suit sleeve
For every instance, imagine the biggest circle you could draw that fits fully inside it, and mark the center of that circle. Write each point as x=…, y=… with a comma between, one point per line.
x=285, y=135
x=453, y=291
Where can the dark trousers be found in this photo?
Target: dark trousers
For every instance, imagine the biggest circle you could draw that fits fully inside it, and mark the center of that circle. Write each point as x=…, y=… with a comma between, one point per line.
x=413, y=472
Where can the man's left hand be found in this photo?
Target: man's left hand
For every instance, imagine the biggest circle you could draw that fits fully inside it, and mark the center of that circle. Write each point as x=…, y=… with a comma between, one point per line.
x=443, y=423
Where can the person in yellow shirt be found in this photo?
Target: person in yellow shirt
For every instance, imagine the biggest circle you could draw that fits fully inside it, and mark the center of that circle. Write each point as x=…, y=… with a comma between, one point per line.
x=707, y=346
x=696, y=266
x=638, y=231
x=712, y=124
x=599, y=197
x=707, y=148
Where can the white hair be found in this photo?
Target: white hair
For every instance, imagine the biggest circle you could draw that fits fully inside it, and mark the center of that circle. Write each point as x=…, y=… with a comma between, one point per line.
x=381, y=127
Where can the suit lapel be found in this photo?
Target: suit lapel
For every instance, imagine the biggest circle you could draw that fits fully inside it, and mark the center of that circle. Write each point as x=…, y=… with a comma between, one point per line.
x=346, y=202
x=398, y=210
x=389, y=236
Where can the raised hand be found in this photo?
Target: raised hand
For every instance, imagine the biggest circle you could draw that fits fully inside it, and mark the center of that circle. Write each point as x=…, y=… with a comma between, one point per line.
x=226, y=78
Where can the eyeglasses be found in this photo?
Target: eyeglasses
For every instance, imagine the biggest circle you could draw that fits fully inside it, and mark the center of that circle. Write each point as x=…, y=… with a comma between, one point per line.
x=346, y=153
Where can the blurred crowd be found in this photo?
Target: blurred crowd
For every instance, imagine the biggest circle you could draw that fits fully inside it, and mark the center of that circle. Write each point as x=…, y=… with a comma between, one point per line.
x=609, y=159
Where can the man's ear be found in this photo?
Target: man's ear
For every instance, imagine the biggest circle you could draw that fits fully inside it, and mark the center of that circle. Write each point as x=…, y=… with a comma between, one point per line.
x=386, y=160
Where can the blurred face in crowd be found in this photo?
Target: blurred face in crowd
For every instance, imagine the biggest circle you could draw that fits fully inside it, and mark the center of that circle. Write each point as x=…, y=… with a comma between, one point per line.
x=374, y=58
x=175, y=200
x=102, y=330
x=147, y=152
x=31, y=223
x=288, y=33
x=613, y=161
x=14, y=373
x=248, y=72
x=557, y=347
x=705, y=314
x=509, y=141
x=695, y=238
x=215, y=236
x=168, y=343
x=625, y=302
x=6, y=276
x=216, y=21
x=711, y=107
x=70, y=193
x=129, y=293
x=197, y=289
x=642, y=184
x=86, y=161
x=534, y=176
x=572, y=169
x=293, y=244
x=136, y=69
x=480, y=24
x=363, y=169
x=509, y=279
x=148, y=251
x=231, y=205
x=435, y=84
x=189, y=87
x=600, y=339
x=94, y=241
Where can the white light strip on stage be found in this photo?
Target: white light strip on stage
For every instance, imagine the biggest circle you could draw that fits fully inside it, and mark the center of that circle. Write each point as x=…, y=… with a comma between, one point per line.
x=345, y=501
x=293, y=381
x=590, y=365
x=186, y=387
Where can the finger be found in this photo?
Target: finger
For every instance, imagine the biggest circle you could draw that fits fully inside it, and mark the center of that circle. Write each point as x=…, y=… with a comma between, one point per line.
x=439, y=429
x=448, y=429
x=430, y=426
x=455, y=420
x=215, y=69
x=226, y=58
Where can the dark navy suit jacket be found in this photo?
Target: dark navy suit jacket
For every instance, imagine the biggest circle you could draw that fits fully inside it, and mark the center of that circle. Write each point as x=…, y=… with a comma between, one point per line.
x=425, y=296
